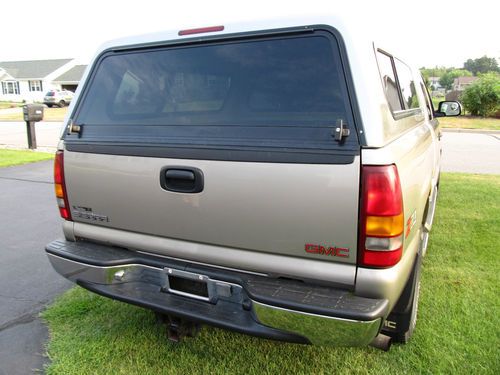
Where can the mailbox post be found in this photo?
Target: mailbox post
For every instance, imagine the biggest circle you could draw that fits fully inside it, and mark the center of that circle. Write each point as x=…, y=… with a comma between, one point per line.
x=32, y=113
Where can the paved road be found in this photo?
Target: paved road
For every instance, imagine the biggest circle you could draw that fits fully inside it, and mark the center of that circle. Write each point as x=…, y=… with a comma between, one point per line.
x=29, y=219
x=471, y=152
x=14, y=134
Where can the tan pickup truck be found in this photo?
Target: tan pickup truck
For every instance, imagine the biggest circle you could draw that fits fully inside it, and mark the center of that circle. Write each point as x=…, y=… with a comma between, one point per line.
x=279, y=182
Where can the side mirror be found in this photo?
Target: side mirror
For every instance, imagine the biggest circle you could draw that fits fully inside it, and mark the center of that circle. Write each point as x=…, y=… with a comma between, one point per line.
x=450, y=108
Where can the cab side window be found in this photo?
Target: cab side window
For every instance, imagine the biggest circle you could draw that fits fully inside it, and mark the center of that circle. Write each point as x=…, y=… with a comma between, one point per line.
x=428, y=101
x=399, y=86
x=407, y=85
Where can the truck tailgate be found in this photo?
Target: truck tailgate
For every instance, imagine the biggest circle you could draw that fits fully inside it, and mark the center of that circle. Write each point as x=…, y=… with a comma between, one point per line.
x=270, y=207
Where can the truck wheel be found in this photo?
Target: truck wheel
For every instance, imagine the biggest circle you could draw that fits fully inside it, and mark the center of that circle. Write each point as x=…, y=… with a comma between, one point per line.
x=49, y=105
x=62, y=103
x=401, y=322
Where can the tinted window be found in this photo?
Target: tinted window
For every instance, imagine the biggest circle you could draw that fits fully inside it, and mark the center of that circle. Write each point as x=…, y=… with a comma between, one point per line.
x=285, y=93
x=407, y=85
x=187, y=92
x=389, y=81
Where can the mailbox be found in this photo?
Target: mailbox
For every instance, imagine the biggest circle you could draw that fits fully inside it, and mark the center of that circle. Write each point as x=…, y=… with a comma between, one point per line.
x=33, y=112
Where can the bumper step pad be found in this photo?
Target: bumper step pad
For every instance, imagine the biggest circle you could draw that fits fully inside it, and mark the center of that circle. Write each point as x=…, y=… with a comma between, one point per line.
x=223, y=315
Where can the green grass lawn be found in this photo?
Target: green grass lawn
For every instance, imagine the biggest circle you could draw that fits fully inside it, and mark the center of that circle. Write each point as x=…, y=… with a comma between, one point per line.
x=49, y=114
x=4, y=105
x=16, y=157
x=457, y=331
x=467, y=122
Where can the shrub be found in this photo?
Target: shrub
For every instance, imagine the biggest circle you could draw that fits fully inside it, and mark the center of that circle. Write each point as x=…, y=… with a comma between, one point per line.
x=482, y=98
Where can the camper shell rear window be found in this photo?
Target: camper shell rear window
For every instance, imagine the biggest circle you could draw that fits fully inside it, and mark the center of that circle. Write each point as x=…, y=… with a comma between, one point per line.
x=263, y=99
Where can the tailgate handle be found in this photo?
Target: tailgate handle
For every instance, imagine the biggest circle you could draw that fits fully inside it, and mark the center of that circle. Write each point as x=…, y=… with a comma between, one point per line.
x=181, y=179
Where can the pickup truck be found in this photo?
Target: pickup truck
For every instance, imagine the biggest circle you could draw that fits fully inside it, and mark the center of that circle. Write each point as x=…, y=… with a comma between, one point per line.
x=277, y=180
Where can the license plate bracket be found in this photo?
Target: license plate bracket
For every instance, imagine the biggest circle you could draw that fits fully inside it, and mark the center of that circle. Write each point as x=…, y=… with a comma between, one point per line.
x=189, y=284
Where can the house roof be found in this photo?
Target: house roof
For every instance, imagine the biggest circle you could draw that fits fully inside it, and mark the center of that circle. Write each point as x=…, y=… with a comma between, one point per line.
x=32, y=69
x=72, y=75
x=3, y=75
x=463, y=80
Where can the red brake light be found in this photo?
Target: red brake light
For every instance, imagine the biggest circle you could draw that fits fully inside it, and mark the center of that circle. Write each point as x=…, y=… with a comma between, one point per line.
x=382, y=190
x=381, y=217
x=201, y=30
x=60, y=186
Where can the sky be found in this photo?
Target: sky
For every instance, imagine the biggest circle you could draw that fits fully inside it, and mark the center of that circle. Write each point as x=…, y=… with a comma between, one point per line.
x=428, y=33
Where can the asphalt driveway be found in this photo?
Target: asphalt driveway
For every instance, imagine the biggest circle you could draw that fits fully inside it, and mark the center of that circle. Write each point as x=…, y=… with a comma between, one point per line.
x=29, y=219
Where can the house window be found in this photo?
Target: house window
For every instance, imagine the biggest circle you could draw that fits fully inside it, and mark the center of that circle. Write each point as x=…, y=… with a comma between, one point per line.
x=35, y=85
x=10, y=87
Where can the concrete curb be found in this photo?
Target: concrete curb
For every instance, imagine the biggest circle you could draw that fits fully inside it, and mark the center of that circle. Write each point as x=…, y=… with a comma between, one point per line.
x=477, y=131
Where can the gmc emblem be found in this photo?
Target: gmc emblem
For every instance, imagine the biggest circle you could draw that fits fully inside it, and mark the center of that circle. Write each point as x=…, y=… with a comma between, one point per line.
x=333, y=251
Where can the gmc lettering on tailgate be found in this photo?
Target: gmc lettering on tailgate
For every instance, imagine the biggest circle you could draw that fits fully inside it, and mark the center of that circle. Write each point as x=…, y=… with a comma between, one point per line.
x=333, y=251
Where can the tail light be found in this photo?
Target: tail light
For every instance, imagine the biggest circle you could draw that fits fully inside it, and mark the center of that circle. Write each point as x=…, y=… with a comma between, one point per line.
x=381, y=217
x=60, y=186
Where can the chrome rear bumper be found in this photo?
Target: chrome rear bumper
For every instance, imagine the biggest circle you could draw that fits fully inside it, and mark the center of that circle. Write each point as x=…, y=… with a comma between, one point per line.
x=255, y=305
x=319, y=329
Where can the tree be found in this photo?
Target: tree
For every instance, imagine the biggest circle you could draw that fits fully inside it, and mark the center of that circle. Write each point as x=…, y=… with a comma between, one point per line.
x=482, y=65
x=447, y=79
x=438, y=71
x=482, y=98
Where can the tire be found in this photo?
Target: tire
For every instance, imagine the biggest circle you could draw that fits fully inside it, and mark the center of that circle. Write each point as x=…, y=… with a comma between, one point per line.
x=403, y=318
x=49, y=105
x=62, y=103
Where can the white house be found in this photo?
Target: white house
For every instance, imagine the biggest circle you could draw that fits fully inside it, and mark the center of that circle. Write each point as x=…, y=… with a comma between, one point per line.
x=434, y=82
x=69, y=80
x=30, y=80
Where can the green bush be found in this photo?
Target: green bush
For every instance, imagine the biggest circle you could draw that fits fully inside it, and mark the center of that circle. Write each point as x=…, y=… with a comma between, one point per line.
x=482, y=98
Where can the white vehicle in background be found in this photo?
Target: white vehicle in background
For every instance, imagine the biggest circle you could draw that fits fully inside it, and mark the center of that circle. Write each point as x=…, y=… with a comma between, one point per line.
x=59, y=98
